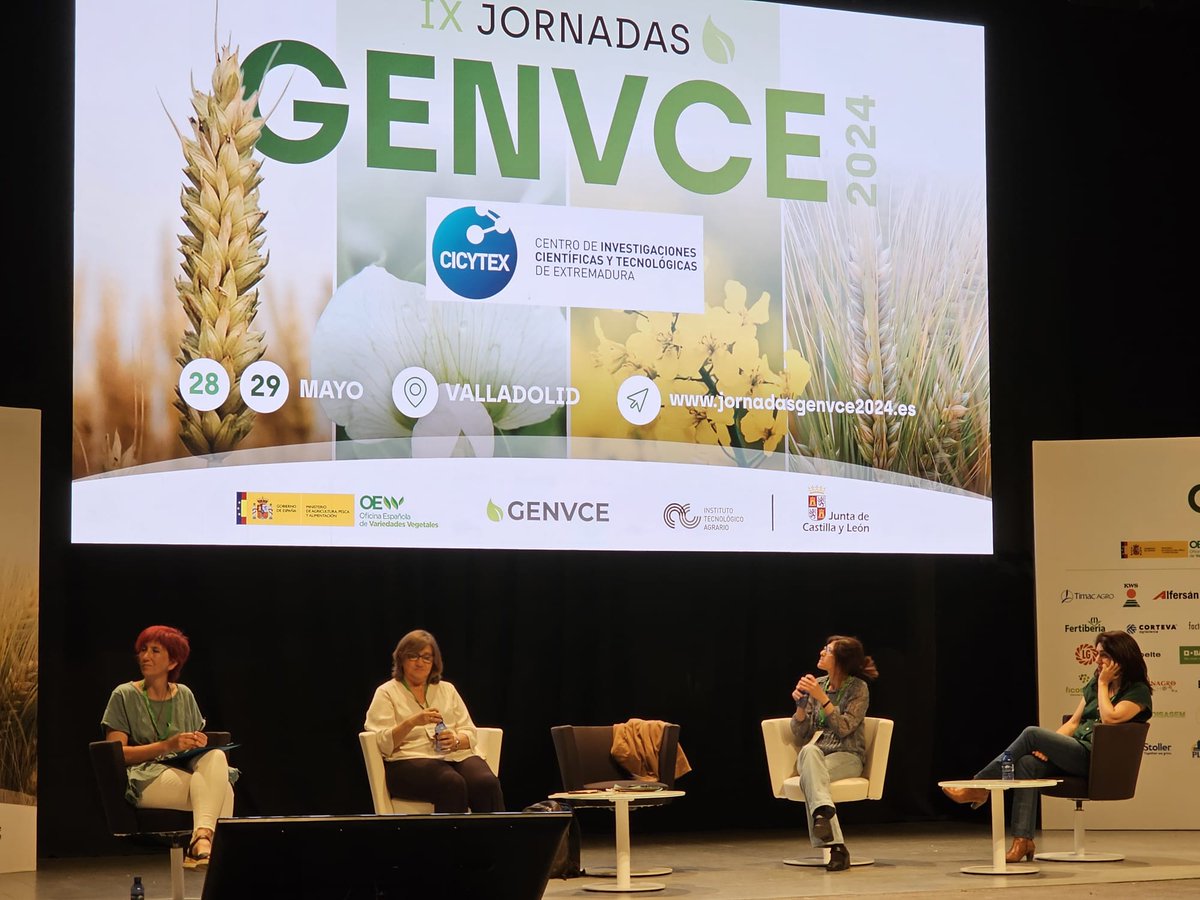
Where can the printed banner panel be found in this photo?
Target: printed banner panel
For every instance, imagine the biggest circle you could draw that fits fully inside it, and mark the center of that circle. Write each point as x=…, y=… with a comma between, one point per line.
x=737, y=245
x=20, y=513
x=1117, y=533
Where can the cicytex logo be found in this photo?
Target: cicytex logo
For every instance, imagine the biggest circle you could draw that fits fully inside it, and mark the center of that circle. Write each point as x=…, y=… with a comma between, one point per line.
x=474, y=253
x=379, y=501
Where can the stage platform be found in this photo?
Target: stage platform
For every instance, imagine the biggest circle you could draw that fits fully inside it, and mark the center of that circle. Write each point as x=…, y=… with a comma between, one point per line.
x=912, y=860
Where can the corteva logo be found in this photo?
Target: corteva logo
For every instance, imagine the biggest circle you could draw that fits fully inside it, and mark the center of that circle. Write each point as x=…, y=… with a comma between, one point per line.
x=1177, y=595
x=1149, y=629
x=379, y=501
x=1189, y=656
x=587, y=511
x=474, y=253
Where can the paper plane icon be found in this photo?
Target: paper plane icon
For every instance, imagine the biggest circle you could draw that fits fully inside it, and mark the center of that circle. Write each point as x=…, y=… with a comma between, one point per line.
x=638, y=400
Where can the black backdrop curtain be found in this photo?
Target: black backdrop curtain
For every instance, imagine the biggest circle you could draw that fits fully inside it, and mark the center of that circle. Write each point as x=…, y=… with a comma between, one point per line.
x=1093, y=335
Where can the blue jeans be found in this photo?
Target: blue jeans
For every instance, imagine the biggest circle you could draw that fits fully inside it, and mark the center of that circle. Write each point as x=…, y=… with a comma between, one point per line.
x=1066, y=757
x=816, y=771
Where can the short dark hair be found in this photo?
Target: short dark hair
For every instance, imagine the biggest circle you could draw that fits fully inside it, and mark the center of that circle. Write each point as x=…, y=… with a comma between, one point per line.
x=1125, y=652
x=850, y=656
x=173, y=640
x=413, y=643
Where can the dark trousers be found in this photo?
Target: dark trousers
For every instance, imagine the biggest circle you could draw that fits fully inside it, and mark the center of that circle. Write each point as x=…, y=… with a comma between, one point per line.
x=452, y=787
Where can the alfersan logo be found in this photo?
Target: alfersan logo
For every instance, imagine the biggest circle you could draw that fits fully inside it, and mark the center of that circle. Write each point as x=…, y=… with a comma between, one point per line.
x=591, y=512
x=679, y=514
x=474, y=253
x=1177, y=595
x=1068, y=595
x=1091, y=626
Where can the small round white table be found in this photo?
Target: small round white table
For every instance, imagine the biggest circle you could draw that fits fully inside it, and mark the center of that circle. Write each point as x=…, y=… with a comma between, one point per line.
x=620, y=801
x=997, y=787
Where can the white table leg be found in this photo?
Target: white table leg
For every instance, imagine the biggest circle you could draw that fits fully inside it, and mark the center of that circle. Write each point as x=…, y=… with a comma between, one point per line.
x=999, y=865
x=624, y=883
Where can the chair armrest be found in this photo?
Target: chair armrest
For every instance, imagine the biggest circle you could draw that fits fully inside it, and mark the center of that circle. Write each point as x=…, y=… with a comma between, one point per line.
x=781, y=752
x=108, y=763
x=1117, y=752
x=218, y=738
x=491, y=740
x=878, y=751
x=376, y=777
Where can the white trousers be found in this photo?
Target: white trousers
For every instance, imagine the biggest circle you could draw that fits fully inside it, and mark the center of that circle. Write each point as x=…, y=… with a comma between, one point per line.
x=816, y=771
x=205, y=790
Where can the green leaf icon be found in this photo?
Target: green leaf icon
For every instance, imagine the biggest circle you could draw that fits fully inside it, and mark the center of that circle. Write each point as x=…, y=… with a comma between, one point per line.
x=718, y=46
x=494, y=512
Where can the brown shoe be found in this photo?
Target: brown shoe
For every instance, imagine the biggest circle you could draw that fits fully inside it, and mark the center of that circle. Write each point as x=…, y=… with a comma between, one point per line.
x=975, y=796
x=1022, y=848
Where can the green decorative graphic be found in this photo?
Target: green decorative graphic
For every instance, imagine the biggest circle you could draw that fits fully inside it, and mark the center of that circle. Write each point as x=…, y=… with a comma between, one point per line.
x=718, y=46
x=494, y=512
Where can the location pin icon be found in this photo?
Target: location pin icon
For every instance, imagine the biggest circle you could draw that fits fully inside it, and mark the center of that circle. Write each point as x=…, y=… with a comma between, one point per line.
x=414, y=391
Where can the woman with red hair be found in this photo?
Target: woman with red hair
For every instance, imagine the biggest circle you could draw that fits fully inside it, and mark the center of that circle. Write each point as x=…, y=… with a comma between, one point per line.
x=156, y=718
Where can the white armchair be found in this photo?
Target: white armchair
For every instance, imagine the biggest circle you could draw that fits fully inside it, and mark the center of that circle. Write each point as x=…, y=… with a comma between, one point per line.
x=490, y=740
x=781, y=763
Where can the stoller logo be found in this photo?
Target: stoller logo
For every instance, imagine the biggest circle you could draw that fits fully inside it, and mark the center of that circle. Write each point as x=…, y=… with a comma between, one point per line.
x=1157, y=749
x=474, y=253
x=1189, y=656
x=1091, y=626
x=679, y=514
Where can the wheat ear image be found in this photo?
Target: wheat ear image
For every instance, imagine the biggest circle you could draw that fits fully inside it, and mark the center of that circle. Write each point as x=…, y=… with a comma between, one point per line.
x=222, y=251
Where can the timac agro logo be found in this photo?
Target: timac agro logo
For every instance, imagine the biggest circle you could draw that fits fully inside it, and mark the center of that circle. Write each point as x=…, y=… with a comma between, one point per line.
x=1091, y=626
x=474, y=253
x=589, y=512
x=679, y=514
x=1068, y=595
x=1189, y=656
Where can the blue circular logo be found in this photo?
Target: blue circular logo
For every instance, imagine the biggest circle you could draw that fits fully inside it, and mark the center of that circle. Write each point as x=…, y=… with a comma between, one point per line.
x=474, y=253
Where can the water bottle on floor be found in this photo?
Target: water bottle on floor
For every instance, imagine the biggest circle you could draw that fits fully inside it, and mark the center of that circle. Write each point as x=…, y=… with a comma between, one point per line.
x=1007, y=772
x=137, y=892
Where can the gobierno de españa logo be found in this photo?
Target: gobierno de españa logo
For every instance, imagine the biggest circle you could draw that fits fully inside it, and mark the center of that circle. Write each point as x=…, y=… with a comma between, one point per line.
x=474, y=252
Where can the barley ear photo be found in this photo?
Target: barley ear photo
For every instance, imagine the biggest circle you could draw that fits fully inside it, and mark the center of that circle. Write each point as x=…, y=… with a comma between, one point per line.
x=222, y=252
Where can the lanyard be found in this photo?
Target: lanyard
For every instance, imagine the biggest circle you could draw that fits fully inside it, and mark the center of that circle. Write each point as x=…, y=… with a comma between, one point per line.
x=160, y=734
x=424, y=705
x=836, y=698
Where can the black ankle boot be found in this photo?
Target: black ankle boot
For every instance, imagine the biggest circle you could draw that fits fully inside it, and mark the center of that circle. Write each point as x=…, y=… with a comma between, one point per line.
x=839, y=858
x=822, y=825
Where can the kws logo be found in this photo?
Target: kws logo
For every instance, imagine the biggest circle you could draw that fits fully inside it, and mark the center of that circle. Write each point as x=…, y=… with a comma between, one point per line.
x=474, y=253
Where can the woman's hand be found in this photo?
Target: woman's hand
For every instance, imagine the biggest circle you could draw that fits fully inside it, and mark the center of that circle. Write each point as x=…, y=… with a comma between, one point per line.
x=1040, y=755
x=186, y=740
x=446, y=741
x=812, y=687
x=799, y=693
x=1108, y=672
x=427, y=716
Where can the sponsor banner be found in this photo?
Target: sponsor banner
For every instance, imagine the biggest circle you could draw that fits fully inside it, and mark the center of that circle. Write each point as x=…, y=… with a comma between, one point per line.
x=1092, y=579
x=523, y=503
x=20, y=463
x=554, y=255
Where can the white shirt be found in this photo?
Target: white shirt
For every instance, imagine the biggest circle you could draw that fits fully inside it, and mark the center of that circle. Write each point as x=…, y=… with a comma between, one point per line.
x=394, y=702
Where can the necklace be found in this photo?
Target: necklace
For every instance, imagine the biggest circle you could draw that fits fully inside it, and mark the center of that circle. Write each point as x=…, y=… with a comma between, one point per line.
x=160, y=733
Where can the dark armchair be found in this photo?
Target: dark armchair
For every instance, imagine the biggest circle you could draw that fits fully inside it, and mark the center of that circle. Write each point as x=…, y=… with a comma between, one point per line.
x=1112, y=775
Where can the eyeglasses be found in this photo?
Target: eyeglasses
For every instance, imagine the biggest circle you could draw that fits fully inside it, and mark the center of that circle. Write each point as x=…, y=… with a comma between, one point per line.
x=426, y=658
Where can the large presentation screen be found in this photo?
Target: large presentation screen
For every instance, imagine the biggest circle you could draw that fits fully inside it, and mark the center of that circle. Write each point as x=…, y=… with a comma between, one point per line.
x=665, y=275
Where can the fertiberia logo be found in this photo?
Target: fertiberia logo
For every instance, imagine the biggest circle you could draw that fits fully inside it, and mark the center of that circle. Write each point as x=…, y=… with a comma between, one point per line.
x=474, y=253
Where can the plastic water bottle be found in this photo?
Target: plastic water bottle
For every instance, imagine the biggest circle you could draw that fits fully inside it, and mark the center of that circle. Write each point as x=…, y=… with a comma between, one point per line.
x=1007, y=773
x=437, y=730
x=137, y=892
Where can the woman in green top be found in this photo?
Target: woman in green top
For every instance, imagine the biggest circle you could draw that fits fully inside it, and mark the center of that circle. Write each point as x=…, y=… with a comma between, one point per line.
x=1119, y=691
x=155, y=718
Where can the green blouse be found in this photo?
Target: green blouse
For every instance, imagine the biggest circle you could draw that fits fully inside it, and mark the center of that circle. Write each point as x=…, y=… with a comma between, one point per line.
x=130, y=711
x=1138, y=692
